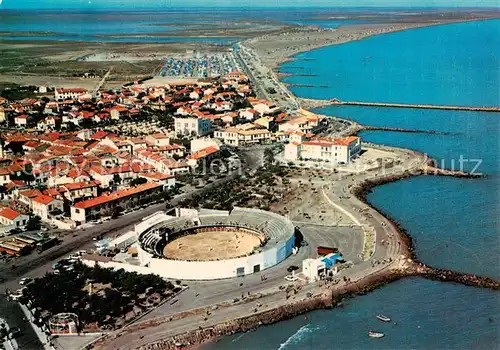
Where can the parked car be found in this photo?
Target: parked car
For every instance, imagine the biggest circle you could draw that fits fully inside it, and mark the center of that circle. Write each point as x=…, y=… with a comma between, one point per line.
x=15, y=332
x=25, y=281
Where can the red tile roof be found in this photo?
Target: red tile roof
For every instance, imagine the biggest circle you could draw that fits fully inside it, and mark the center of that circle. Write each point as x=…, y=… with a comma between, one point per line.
x=30, y=193
x=203, y=152
x=9, y=214
x=43, y=199
x=116, y=195
x=80, y=185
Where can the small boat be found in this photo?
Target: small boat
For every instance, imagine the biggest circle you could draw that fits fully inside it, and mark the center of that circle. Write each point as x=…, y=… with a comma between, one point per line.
x=373, y=334
x=384, y=318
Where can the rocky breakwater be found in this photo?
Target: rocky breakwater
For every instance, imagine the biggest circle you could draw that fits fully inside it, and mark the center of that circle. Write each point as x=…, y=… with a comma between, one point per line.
x=412, y=266
x=203, y=335
x=445, y=275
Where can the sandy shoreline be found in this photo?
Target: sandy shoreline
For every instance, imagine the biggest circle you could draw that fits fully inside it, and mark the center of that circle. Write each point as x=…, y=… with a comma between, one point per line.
x=276, y=49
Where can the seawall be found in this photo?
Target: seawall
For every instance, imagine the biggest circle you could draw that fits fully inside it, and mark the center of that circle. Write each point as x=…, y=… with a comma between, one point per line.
x=416, y=267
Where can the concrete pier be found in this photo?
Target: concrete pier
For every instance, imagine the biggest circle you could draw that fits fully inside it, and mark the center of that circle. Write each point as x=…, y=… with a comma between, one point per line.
x=312, y=103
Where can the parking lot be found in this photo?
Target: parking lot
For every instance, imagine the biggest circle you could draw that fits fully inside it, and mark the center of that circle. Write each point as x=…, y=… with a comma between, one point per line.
x=199, y=65
x=348, y=240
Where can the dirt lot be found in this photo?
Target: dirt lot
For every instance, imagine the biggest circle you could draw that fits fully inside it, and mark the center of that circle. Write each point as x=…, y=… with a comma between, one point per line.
x=61, y=64
x=211, y=245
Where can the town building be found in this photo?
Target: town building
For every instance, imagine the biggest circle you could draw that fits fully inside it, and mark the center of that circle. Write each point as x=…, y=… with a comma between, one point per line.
x=192, y=126
x=61, y=94
x=47, y=207
x=105, y=205
x=11, y=219
x=245, y=134
x=332, y=150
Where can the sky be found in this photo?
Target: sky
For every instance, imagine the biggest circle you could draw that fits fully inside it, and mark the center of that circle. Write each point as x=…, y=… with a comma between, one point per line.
x=92, y=4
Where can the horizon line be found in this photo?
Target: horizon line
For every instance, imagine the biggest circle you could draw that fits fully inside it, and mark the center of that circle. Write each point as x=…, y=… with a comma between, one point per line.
x=152, y=7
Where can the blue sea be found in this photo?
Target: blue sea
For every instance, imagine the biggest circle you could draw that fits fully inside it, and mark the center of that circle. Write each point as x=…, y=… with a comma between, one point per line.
x=455, y=222
x=429, y=315
x=432, y=65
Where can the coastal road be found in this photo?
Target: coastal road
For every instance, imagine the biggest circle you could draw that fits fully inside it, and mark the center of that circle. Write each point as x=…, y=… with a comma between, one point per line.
x=34, y=265
x=264, y=78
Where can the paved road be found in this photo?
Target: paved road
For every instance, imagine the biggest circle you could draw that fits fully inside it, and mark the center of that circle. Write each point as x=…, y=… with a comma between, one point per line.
x=264, y=78
x=31, y=265
x=36, y=265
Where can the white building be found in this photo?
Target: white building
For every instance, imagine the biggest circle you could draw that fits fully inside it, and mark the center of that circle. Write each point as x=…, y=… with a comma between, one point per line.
x=312, y=268
x=4, y=176
x=68, y=93
x=236, y=136
x=45, y=207
x=192, y=126
x=340, y=150
x=10, y=218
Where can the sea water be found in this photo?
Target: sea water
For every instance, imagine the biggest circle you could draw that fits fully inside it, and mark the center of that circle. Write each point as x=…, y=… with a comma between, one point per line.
x=454, y=221
x=446, y=64
x=425, y=315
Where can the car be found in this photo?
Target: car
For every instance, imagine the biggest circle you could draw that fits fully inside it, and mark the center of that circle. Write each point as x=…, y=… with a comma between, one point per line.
x=15, y=332
x=25, y=281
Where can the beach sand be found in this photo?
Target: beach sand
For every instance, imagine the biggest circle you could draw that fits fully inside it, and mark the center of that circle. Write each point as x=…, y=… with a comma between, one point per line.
x=274, y=49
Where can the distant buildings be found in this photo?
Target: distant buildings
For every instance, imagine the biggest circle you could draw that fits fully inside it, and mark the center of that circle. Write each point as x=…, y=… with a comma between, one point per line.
x=339, y=150
x=62, y=94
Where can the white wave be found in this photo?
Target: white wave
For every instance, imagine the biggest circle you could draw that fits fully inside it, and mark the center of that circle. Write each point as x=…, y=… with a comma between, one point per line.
x=238, y=338
x=298, y=336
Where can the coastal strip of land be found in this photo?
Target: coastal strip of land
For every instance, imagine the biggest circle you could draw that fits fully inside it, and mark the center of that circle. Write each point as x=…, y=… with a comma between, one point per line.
x=311, y=103
x=275, y=49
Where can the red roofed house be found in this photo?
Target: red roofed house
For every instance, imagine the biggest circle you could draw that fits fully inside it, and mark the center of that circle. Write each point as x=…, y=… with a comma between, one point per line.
x=46, y=207
x=167, y=180
x=23, y=120
x=80, y=190
x=27, y=196
x=205, y=154
x=10, y=219
x=158, y=139
x=105, y=205
x=119, y=112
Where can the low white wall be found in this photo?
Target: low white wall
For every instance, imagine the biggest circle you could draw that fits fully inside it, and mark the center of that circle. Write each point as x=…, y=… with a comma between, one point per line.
x=117, y=266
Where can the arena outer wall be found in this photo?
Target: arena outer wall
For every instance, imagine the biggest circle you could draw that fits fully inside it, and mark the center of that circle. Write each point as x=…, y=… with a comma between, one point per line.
x=279, y=247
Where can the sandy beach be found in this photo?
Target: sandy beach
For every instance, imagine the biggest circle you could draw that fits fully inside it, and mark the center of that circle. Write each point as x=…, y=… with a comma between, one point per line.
x=275, y=49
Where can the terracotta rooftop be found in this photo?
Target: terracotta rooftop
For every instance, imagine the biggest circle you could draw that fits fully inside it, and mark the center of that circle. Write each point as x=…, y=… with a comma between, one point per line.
x=115, y=195
x=43, y=199
x=9, y=214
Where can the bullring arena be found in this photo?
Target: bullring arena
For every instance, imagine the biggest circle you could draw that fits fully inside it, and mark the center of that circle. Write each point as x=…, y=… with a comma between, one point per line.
x=211, y=244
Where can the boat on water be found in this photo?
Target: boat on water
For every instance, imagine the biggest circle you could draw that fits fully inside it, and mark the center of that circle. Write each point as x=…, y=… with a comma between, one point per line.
x=384, y=318
x=373, y=334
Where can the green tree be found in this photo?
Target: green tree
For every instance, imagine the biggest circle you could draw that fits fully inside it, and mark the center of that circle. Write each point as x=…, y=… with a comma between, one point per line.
x=269, y=156
x=138, y=181
x=117, y=179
